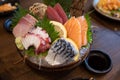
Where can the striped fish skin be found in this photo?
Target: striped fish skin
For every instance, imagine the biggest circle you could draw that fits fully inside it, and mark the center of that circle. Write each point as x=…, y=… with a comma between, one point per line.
x=60, y=52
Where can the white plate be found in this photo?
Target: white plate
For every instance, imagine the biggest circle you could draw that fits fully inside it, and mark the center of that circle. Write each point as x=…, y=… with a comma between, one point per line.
x=104, y=14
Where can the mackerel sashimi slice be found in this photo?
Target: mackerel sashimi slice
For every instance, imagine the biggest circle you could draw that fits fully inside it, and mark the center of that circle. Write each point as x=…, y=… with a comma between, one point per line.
x=61, y=51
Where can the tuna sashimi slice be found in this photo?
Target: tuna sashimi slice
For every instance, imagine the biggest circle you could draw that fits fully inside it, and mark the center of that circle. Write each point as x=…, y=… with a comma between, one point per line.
x=61, y=12
x=53, y=15
x=21, y=28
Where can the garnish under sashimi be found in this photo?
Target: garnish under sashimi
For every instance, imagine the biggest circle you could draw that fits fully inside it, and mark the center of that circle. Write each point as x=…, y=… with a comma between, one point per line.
x=24, y=25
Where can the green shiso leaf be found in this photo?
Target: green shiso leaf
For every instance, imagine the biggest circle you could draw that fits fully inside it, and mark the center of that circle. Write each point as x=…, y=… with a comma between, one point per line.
x=46, y=25
x=30, y=51
x=18, y=15
x=89, y=32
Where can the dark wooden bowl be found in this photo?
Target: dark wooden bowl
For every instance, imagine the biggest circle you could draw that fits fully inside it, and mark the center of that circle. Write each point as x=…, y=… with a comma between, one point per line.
x=68, y=66
x=65, y=67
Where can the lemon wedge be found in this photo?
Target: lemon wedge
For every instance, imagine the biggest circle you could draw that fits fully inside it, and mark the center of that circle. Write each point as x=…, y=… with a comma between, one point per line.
x=59, y=28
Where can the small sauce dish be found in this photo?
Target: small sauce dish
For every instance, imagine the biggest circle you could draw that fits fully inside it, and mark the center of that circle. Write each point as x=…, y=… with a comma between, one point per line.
x=98, y=62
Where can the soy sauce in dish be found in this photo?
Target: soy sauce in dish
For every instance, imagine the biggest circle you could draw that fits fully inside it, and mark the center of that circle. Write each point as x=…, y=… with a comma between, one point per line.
x=98, y=62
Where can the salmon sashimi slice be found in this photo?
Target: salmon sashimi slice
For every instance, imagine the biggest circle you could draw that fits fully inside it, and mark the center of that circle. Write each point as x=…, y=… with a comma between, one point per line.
x=84, y=28
x=69, y=24
x=73, y=28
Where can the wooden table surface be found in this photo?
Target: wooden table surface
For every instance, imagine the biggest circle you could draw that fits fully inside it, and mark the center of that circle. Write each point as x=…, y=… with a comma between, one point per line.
x=106, y=38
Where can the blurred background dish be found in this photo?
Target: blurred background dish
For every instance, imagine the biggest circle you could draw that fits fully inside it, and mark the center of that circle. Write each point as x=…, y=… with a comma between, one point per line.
x=7, y=7
x=95, y=2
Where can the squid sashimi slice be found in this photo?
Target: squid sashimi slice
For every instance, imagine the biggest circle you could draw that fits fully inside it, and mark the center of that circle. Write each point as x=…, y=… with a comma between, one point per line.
x=31, y=40
x=61, y=12
x=84, y=28
x=22, y=28
x=53, y=15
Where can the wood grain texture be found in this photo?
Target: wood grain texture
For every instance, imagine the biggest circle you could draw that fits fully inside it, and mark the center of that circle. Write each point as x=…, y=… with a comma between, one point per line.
x=106, y=37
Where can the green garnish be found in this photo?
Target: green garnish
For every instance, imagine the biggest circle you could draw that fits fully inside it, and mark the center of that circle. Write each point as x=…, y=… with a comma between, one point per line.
x=46, y=25
x=89, y=32
x=30, y=51
x=18, y=15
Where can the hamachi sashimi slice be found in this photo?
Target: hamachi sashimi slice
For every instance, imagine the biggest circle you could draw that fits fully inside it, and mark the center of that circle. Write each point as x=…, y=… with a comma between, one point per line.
x=84, y=28
x=22, y=28
x=24, y=25
x=30, y=19
x=53, y=15
x=61, y=12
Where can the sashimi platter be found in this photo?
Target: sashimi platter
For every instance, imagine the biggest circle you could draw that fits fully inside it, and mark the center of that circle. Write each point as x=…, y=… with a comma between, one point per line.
x=50, y=39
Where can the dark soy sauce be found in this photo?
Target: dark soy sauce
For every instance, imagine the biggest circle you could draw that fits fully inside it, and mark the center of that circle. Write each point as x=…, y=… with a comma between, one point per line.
x=98, y=62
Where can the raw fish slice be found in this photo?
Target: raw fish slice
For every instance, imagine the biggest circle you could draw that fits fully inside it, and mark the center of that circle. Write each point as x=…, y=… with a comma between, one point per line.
x=42, y=33
x=22, y=28
x=73, y=28
x=61, y=51
x=61, y=12
x=30, y=19
x=69, y=24
x=84, y=28
x=53, y=15
x=31, y=40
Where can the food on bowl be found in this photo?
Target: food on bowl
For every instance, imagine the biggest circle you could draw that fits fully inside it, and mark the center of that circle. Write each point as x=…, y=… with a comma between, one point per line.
x=51, y=37
x=38, y=9
x=7, y=7
x=110, y=7
x=61, y=51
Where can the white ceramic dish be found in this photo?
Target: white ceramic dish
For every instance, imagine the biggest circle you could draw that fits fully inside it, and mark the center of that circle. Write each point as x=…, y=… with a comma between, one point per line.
x=104, y=14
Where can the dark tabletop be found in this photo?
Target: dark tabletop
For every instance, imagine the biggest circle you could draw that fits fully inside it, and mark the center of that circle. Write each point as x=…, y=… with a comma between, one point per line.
x=106, y=37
